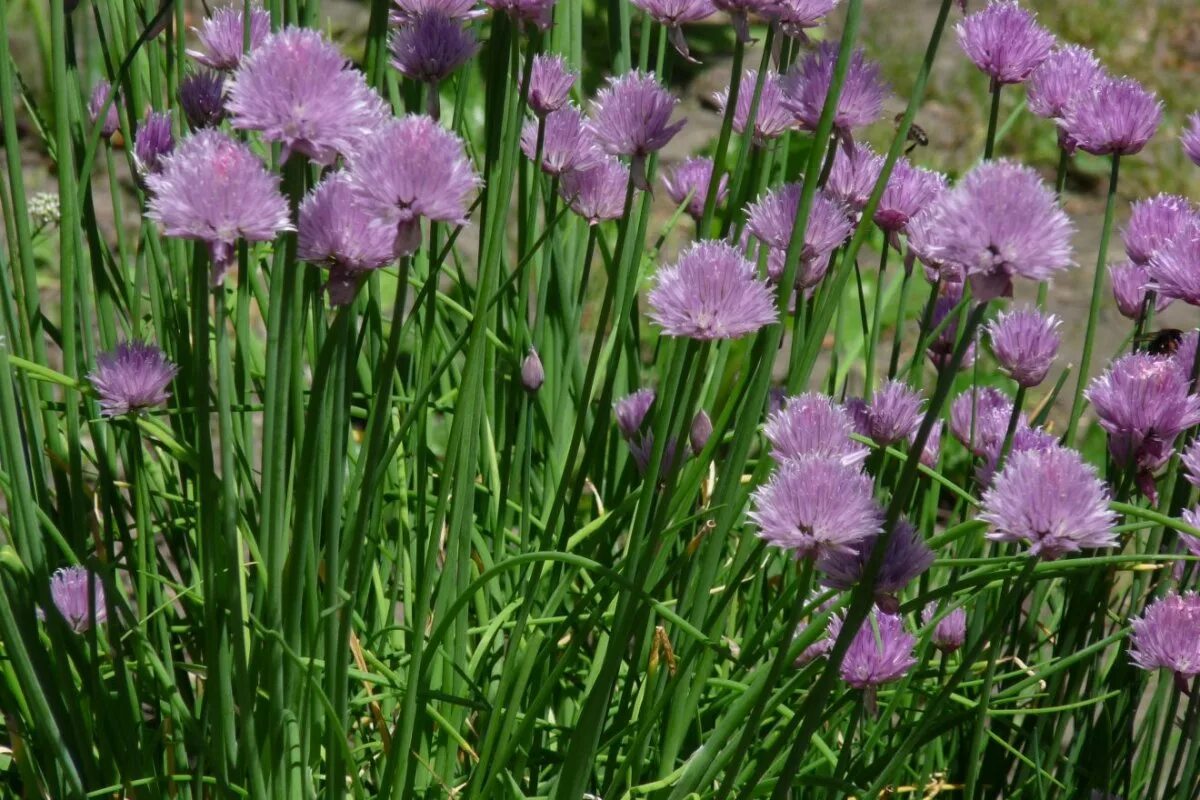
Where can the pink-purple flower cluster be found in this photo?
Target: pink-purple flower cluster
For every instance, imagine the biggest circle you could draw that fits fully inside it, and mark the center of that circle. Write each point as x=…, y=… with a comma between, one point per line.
x=711, y=292
x=132, y=378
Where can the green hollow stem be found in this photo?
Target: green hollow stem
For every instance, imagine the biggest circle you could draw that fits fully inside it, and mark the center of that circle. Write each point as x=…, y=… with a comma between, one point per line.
x=876, y=324
x=989, y=144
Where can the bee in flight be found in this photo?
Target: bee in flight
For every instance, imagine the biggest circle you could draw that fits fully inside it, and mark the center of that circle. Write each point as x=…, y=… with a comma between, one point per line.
x=1162, y=343
x=916, y=135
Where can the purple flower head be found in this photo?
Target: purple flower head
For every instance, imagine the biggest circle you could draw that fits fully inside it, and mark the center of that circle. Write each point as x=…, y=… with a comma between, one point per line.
x=922, y=235
x=1154, y=223
x=1167, y=635
x=413, y=169
x=533, y=374
x=771, y=119
x=131, y=378
x=1191, y=464
x=689, y=181
x=223, y=37
x=906, y=557
x=814, y=506
x=1175, y=269
x=1192, y=543
x=404, y=12
x=597, y=194
x=894, y=413
x=712, y=292
x=880, y=652
x=798, y=16
x=213, y=189
x=1051, y=499
x=100, y=93
x=1130, y=283
x=1004, y=41
x=539, y=13
x=1024, y=438
x=979, y=419
x=853, y=176
x=298, y=89
x=78, y=605
x=1025, y=342
x=431, y=47
x=950, y=632
x=812, y=425
x=631, y=116
x=1184, y=357
x=909, y=190
x=153, y=143
x=550, y=83
x=807, y=84
x=567, y=145
x=1190, y=139
x=675, y=13
x=1001, y=222
x=932, y=450
x=336, y=233
x=772, y=219
x=700, y=431
x=941, y=348
x=202, y=96
x=631, y=411
x=1068, y=72
x=1117, y=116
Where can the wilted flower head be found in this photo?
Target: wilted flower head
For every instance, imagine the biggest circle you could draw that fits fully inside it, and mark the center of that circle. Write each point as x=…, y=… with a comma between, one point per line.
x=1117, y=116
x=99, y=98
x=1190, y=139
x=807, y=84
x=413, y=169
x=1167, y=635
x=894, y=413
x=567, y=144
x=431, y=47
x=131, y=378
x=539, y=13
x=853, y=176
x=712, y=292
x=1191, y=463
x=1051, y=499
x=298, y=89
x=405, y=11
x=223, y=37
x=1025, y=342
x=689, y=181
x=550, y=82
x=337, y=233
x=1066, y=73
x=202, y=97
x=772, y=219
x=674, y=13
x=909, y=189
x=1004, y=41
x=906, y=557
x=79, y=597
x=814, y=506
x=533, y=374
x=771, y=118
x=597, y=194
x=1154, y=223
x=631, y=411
x=813, y=425
x=213, y=189
x=979, y=419
x=950, y=632
x=880, y=652
x=154, y=142
x=1175, y=269
x=631, y=116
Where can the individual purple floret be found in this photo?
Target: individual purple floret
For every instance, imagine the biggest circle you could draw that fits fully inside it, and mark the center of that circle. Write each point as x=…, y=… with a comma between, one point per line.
x=1175, y=269
x=1004, y=41
x=807, y=84
x=906, y=557
x=813, y=425
x=80, y=606
x=673, y=14
x=298, y=89
x=979, y=419
x=700, y=431
x=405, y=11
x=214, y=189
x=689, y=181
x=223, y=37
x=631, y=411
x=567, y=144
x=1154, y=223
x=712, y=292
x=413, y=169
x=431, y=47
x=772, y=219
x=771, y=119
x=539, y=13
x=202, y=97
x=880, y=652
x=1129, y=285
x=597, y=194
x=814, y=506
x=894, y=413
x=1190, y=139
x=533, y=374
x=1052, y=500
x=1191, y=463
x=550, y=82
x=1117, y=116
x=1067, y=73
x=132, y=378
x=153, y=143
x=950, y=632
x=338, y=234
x=909, y=190
x=112, y=122
x=631, y=116
x=1025, y=342
x=1167, y=636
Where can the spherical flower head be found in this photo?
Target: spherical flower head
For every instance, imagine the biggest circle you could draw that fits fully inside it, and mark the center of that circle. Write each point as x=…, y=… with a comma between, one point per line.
x=772, y=219
x=550, y=82
x=814, y=506
x=906, y=557
x=96, y=103
x=533, y=374
x=1068, y=72
x=1167, y=635
x=132, y=378
x=202, y=97
x=597, y=194
x=689, y=181
x=1191, y=464
x=567, y=145
x=1025, y=342
x=674, y=13
x=631, y=411
x=853, y=176
x=631, y=116
x=337, y=233
x=1002, y=222
x=1004, y=41
x=1130, y=284
x=1190, y=139
x=404, y=12
x=950, y=632
x=1024, y=438
x=223, y=37
x=1052, y=500
x=1117, y=116
x=213, y=189
x=909, y=190
x=880, y=652
x=79, y=597
x=712, y=292
x=153, y=143
x=413, y=169
x=807, y=84
x=1175, y=269
x=431, y=47
x=539, y=13
x=813, y=425
x=894, y=413
x=298, y=89
x=1154, y=223
x=771, y=119
x=979, y=419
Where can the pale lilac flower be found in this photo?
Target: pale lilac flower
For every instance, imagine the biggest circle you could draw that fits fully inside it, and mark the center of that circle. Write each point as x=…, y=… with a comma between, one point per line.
x=771, y=118
x=772, y=219
x=979, y=419
x=1024, y=438
x=338, y=234
x=153, y=143
x=413, y=169
x=689, y=181
x=405, y=11
x=533, y=374
x=112, y=122
x=880, y=652
x=539, y=13
x=1025, y=342
x=712, y=292
x=922, y=236
x=1065, y=74
x=932, y=450
x=1184, y=356
x=213, y=189
x=223, y=37
x=1117, y=116
x=567, y=145
x=674, y=14
x=1190, y=139
x=814, y=506
x=950, y=632
x=894, y=413
x=431, y=47
x=1154, y=223
x=202, y=97
x=631, y=411
x=631, y=116
x=1130, y=284
x=132, y=378
x=298, y=89
x=1191, y=464
x=909, y=190
x=907, y=556
x=700, y=431
x=1175, y=269
x=1167, y=635
x=78, y=604
x=807, y=84
x=813, y=425
x=1004, y=41
x=853, y=176
x=550, y=82
x=597, y=194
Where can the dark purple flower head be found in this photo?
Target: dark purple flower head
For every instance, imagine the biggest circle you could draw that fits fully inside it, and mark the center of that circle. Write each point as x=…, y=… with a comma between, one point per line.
x=1191, y=463
x=1004, y=41
x=689, y=181
x=1190, y=139
x=812, y=425
x=1167, y=635
x=700, y=431
x=674, y=13
x=979, y=419
x=213, y=189
x=539, y=13
x=880, y=652
x=712, y=292
x=99, y=98
x=337, y=233
x=941, y=349
x=1117, y=116
x=1154, y=223
x=431, y=47
x=1051, y=499
x=1025, y=342
x=894, y=413
x=202, y=97
x=950, y=632
x=631, y=411
x=78, y=605
x=298, y=89
x=132, y=378
x=1129, y=286
x=807, y=84
x=597, y=194
x=772, y=219
x=533, y=374
x=906, y=557
x=1175, y=269
x=853, y=176
x=631, y=116
x=909, y=190
x=567, y=145
x=771, y=119
x=550, y=83
x=413, y=169
x=814, y=506
x=405, y=11
x=223, y=37
x=153, y=143
x=1068, y=72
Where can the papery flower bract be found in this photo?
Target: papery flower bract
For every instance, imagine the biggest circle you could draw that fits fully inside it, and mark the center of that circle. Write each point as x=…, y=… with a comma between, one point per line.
x=597, y=194
x=298, y=89
x=405, y=11
x=909, y=190
x=131, y=378
x=533, y=374
x=907, y=556
x=1066, y=73
x=223, y=37
x=631, y=116
x=771, y=119
x=213, y=189
x=1167, y=635
x=337, y=233
x=567, y=144
x=96, y=102
x=880, y=652
x=202, y=97
x=1052, y=500
x=675, y=13
x=1191, y=463
x=1129, y=287
x=1117, y=116
x=1175, y=269
x=712, y=292
x=1154, y=223
x=539, y=13
x=813, y=425
x=894, y=413
x=153, y=142
x=950, y=632
x=78, y=604
x=689, y=181
x=1190, y=139
x=1025, y=342
x=550, y=82
x=853, y=176
x=431, y=47
x=701, y=431
x=807, y=84
x=1004, y=41
x=979, y=419
x=631, y=411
